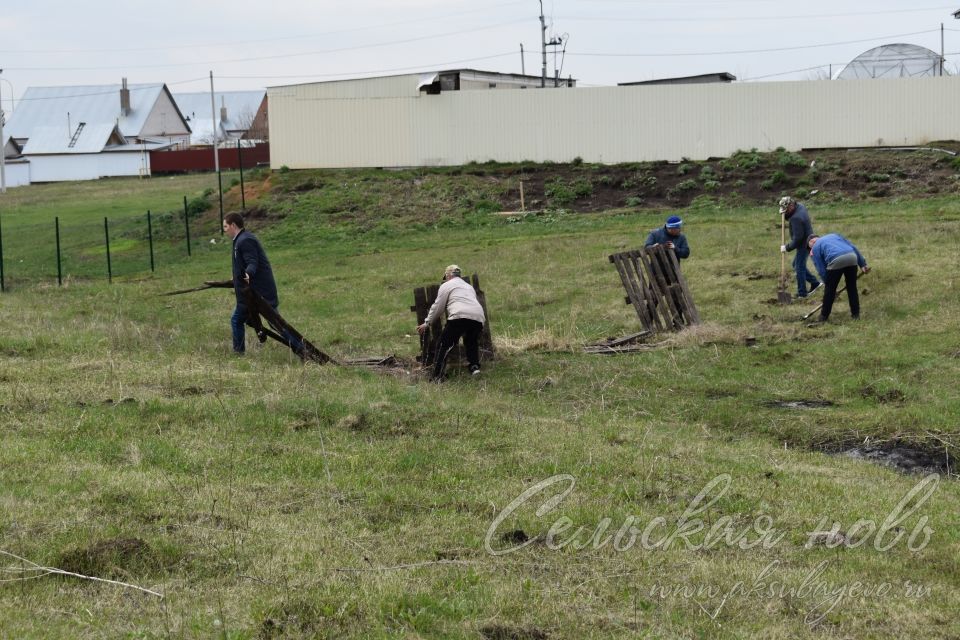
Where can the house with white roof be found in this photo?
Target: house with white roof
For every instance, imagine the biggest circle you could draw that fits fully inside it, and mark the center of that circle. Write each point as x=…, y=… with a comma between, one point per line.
x=236, y=112
x=89, y=132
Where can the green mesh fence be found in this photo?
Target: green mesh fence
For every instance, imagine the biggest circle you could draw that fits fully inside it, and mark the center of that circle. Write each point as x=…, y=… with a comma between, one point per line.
x=30, y=250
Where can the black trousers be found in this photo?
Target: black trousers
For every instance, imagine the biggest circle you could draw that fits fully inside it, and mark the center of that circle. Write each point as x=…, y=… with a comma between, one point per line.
x=830, y=291
x=469, y=330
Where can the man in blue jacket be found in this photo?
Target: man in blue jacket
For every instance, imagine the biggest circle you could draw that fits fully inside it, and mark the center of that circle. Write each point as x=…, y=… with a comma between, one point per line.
x=250, y=267
x=671, y=236
x=835, y=256
x=801, y=228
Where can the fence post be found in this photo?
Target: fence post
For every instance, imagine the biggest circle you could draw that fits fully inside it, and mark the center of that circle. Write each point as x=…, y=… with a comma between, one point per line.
x=243, y=198
x=106, y=235
x=219, y=183
x=150, y=238
x=186, y=222
x=2, y=283
x=56, y=222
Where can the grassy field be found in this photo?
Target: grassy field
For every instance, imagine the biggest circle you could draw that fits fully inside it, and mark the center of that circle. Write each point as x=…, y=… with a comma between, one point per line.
x=563, y=495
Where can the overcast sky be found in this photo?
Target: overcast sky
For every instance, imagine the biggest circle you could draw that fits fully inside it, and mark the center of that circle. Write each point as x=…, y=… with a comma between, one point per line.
x=252, y=45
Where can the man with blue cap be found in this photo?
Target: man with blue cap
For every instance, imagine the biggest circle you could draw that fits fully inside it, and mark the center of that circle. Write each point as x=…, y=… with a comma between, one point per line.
x=671, y=237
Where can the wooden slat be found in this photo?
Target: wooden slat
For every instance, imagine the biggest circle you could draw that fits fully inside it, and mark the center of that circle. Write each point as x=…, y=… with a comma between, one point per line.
x=656, y=288
x=691, y=307
x=657, y=282
x=486, y=338
x=671, y=291
x=633, y=290
x=648, y=292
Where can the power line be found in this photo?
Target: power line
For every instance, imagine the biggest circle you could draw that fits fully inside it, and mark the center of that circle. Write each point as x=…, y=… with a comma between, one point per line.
x=435, y=65
x=276, y=56
x=745, y=51
x=760, y=18
x=264, y=40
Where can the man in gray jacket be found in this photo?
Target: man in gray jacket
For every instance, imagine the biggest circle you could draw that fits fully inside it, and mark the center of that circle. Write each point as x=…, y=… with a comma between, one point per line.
x=465, y=319
x=801, y=228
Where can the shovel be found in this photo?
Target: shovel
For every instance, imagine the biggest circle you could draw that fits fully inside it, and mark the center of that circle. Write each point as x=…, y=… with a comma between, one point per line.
x=782, y=296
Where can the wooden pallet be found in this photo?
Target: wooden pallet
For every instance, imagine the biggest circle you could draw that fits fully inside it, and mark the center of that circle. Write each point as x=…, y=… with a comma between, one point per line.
x=423, y=299
x=656, y=288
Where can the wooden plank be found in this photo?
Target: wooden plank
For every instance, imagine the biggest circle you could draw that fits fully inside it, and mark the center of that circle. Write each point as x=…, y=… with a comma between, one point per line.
x=630, y=348
x=671, y=270
x=655, y=278
x=649, y=294
x=632, y=290
x=486, y=338
x=633, y=337
x=673, y=291
x=637, y=292
x=680, y=297
x=691, y=307
x=659, y=259
x=420, y=306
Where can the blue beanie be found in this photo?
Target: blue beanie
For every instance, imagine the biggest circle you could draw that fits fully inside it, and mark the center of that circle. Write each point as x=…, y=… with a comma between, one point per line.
x=674, y=222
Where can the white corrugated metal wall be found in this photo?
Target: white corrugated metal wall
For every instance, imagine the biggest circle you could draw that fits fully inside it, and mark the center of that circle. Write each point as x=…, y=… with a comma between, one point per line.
x=385, y=122
x=86, y=166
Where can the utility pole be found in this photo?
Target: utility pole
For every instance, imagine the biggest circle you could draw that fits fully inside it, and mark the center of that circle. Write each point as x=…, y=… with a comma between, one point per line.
x=216, y=154
x=941, y=48
x=543, y=47
x=3, y=149
x=523, y=62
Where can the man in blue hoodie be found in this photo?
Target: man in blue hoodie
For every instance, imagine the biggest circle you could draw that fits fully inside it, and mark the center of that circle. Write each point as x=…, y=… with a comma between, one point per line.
x=801, y=228
x=835, y=256
x=671, y=236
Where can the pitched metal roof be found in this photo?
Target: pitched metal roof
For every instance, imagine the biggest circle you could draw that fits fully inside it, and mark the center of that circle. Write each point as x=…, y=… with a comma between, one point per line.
x=241, y=107
x=85, y=138
x=94, y=104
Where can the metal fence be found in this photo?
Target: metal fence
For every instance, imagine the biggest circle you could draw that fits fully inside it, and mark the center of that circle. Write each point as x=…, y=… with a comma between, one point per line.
x=105, y=248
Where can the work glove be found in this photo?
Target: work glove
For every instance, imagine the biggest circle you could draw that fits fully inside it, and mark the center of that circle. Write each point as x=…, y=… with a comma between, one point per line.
x=783, y=248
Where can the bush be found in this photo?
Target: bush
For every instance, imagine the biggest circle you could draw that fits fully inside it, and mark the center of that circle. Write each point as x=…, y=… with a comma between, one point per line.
x=686, y=185
x=198, y=205
x=684, y=169
x=878, y=177
x=788, y=159
x=748, y=160
x=577, y=161
x=711, y=185
x=284, y=169
x=582, y=188
x=777, y=177
x=559, y=192
x=634, y=201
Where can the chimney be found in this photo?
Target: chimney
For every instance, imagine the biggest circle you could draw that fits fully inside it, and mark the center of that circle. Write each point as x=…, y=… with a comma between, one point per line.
x=223, y=109
x=124, y=99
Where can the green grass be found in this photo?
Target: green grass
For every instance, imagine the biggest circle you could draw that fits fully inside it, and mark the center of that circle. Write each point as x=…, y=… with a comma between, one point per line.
x=268, y=499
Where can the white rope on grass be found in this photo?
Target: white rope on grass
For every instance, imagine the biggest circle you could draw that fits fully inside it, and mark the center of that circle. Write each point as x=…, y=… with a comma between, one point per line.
x=43, y=571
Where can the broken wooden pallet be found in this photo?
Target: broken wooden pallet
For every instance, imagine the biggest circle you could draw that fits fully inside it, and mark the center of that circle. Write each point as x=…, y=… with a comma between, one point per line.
x=656, y=288
x=423, y=299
